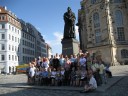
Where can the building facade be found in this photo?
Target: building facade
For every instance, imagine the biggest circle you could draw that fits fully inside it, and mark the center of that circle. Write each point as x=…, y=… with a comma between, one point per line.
x=20, y=42
x=27, y=42
x=10, y=38
x=103, y=27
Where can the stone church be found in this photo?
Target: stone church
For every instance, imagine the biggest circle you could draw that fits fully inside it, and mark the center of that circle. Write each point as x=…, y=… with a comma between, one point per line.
x=103, y=29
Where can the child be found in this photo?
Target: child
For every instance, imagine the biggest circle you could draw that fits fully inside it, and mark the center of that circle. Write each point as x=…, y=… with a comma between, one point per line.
x=102, y=73
x=58, y=78
x=92, y=85
x=53, y=76
x=62, y=75
x=77, y=76
x=83, y=76
x=73, y=77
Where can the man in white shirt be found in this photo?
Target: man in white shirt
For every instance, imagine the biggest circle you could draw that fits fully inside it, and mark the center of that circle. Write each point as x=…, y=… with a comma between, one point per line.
x=92, y=85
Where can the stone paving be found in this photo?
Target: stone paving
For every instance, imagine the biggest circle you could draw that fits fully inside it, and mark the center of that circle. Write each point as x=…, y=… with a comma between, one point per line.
x=15, y=85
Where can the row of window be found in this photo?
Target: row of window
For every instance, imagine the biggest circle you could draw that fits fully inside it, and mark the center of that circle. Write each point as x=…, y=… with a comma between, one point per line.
x=12, y=20
x=124, y=53
x=14, y=29
x=12, y=38
x=26, y=43
x=28, y=51
x=2, y=17
x=13, y=57
x=115, y=1
x=118, y=22
x=14, y=48
x=10, y=57
x=27, y=59
x=28, y=37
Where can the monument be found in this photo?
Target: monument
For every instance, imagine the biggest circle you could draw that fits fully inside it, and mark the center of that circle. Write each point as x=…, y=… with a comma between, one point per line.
x=70, y=45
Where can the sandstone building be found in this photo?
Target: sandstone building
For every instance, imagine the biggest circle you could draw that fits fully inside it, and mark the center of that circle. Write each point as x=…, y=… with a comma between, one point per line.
x=103, y=29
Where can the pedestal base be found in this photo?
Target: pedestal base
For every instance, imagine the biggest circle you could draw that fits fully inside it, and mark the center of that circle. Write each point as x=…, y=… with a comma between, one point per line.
x=70, y=46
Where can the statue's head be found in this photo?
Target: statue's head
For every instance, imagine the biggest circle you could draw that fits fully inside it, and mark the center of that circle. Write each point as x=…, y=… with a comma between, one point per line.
x=68, y=9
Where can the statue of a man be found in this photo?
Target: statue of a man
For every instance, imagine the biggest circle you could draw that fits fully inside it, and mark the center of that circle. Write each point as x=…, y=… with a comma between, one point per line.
x=69, y=27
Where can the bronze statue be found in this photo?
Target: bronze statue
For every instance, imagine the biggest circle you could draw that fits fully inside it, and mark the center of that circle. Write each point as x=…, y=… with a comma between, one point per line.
x=69, y=28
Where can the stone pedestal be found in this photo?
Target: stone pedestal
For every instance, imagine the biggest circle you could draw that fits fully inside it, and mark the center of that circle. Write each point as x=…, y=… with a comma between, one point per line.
x=70, y=46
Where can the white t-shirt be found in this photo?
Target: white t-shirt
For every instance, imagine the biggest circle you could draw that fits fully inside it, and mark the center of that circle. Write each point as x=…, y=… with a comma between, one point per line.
x=101, y=69
x=93, y=82
x=32, y=71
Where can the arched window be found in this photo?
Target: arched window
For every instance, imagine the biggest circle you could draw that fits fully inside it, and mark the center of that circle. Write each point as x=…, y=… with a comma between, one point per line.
x=124, y=53
x=119, y=24
x=118, y=18
x=118, y=1
x=93, y=1
x=96, y=20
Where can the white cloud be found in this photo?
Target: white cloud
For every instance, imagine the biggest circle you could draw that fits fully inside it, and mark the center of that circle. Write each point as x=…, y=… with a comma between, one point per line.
x=56, y=42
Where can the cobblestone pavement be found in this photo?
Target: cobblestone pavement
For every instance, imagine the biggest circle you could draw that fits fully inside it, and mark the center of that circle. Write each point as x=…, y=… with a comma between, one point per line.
x=7, y=82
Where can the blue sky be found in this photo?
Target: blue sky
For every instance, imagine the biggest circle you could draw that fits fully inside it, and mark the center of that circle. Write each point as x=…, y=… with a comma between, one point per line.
x=46, y=16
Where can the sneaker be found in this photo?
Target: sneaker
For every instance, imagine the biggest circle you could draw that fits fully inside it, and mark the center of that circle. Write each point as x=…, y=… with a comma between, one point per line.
x=83, y=91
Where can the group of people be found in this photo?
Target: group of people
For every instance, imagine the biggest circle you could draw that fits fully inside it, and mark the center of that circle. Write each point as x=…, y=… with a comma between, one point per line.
x=74, y=70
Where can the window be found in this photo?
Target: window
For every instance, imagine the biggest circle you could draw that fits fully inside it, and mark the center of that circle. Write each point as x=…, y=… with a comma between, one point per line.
x=118, y=18
x=10, y=27
x=9, y=47
x=12, y=57
x=2, y=47
x=9, y=37
x=9, y=57
x=15, y=48
x=12, y=38
x=18, y=40
x=3, y=26
x=23, y=34
x=93, y=1
x=15, y=58
x=18, y=49
x=3, y=17
x=124, y=53
x=96, y=20
x=118, y=1
x=18, y=31
x=15, y=30
x=15, y=39
x=98, y=36
x=3, y=36
x=2, y=57
x=12, y=48
x=120, y=32
x=23, y=42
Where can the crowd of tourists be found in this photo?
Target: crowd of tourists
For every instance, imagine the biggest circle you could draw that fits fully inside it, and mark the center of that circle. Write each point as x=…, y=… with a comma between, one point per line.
x=74, y=70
